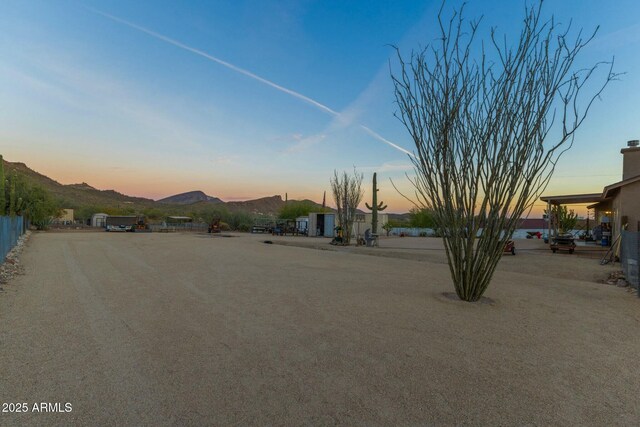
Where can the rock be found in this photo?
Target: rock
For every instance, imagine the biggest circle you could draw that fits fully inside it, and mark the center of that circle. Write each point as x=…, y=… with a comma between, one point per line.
x=11, y=265
x=621, y=283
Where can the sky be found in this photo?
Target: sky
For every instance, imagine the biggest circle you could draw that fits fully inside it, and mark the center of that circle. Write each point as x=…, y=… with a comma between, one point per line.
x=248, y=99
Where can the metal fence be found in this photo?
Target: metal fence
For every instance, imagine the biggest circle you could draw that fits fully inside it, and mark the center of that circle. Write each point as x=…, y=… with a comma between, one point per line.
x=11, y=228
x=409, y=231
x=629, y=257
x=186, y=226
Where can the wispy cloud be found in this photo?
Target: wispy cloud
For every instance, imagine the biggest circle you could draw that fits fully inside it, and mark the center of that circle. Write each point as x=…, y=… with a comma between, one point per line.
x=304, y=142
x=224, y=160
x=218, y=60
x=622, y=37
x=249, y=74
x=91, y=90
x=389, y=167
x=40, y=86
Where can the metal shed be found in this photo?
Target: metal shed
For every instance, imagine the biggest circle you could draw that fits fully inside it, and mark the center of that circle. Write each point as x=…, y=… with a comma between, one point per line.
x=322, y=224
x=99, y=220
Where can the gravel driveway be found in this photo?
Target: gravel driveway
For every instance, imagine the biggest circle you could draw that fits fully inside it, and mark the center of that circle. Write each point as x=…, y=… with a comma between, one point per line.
x=189, y=329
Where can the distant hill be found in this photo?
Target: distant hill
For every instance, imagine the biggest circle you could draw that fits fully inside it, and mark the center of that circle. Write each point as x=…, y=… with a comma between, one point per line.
x=405, y=217
x=76, y=196
x=86, y=199
x=264, y=206
x=190, y=198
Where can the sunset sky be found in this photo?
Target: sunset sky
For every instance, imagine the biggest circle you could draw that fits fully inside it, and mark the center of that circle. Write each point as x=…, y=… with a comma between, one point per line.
x=245, y=99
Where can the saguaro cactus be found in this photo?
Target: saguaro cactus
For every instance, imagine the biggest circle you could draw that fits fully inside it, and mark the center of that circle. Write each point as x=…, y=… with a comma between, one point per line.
x=375, y=206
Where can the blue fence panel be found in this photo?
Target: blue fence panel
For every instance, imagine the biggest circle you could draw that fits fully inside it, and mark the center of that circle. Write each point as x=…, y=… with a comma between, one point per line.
x=11, y=228
x=629, y=254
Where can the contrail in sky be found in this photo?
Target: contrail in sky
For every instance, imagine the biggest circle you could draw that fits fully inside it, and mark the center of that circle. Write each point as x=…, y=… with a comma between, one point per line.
x=249, y=74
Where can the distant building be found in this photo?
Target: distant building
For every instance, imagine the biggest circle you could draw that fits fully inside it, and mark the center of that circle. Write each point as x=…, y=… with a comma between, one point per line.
x=364, y=221
x=99, y=220
x=322, y=224
x=66, y=217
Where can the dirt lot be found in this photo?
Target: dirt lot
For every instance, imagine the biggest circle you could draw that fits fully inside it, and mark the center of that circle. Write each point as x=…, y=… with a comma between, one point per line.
x=188, y=329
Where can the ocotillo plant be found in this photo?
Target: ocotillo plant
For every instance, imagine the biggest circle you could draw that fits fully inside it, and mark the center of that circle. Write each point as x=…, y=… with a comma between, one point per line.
x=375, y=206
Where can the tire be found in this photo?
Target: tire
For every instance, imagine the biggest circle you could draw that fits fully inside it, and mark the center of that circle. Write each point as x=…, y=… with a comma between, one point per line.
x=513, y=251
x=553, y=250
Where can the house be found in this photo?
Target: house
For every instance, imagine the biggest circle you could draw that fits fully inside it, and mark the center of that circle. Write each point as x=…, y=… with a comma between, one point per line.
x=617, y=207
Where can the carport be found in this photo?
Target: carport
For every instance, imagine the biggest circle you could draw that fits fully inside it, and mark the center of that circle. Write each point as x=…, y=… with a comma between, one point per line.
x=571, y=199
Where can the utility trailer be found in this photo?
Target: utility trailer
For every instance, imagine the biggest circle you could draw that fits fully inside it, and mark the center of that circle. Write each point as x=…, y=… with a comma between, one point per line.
x=563, y=242
x=123, y=223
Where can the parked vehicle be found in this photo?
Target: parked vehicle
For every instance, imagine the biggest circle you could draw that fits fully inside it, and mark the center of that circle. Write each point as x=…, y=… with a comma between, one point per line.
x=123, y=223
x=510, y=247
x=563, y=242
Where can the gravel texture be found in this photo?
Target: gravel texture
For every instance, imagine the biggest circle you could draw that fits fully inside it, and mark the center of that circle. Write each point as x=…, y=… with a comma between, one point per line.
x=189, y=329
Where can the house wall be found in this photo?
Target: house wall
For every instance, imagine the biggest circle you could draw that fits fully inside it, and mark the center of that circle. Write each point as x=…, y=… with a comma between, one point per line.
x=629, y=197
x=359, y=227
x=630, y=162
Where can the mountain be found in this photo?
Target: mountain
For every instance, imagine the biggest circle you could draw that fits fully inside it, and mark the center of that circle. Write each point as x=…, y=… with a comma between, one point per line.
x=266, y=205
x=86, y=199
x=189, y=198
x=263, y=206
x=76, y=196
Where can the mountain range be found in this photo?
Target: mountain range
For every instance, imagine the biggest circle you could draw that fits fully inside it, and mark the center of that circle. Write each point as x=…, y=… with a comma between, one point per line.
x=190, y=197
x=85, y=199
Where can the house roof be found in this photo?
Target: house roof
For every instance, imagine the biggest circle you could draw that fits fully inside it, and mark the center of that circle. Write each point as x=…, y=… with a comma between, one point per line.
x=573, y=199
x=609, y=190
x=596, y=198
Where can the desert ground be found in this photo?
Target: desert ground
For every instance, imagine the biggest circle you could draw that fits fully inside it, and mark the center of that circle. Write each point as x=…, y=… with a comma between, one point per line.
x=194, y=329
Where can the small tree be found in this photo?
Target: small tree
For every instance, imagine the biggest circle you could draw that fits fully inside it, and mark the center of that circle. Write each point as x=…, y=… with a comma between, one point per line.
x=241, y=221
x=387, y=227
x=481, y=128
x=565, y=219
x=295, y=209
x=40, y=207
x=347, y=193
x=421, y=218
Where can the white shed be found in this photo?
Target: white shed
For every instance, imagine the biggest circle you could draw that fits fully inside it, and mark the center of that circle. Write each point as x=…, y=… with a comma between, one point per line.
x=322, y=224
x=99, y=220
